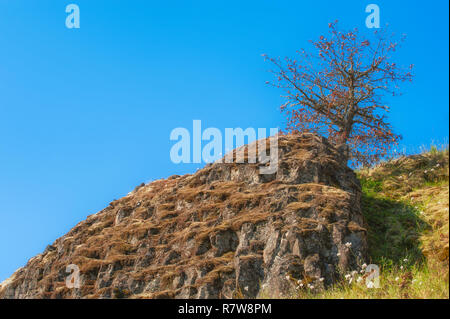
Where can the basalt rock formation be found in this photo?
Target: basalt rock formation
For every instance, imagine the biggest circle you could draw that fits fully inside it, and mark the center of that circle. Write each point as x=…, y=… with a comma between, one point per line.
x=225, y=231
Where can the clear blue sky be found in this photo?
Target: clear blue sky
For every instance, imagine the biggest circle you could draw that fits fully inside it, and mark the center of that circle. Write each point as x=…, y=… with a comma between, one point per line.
x=85, y=115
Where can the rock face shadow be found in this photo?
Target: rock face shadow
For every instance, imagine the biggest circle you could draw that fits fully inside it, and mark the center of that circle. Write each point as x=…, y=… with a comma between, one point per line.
x=394, y=230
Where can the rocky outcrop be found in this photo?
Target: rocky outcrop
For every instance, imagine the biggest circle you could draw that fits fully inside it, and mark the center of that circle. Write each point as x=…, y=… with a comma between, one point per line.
x=223, y=232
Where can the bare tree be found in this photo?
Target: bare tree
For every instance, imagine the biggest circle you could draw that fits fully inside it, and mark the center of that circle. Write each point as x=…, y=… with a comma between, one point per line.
x=338, y=91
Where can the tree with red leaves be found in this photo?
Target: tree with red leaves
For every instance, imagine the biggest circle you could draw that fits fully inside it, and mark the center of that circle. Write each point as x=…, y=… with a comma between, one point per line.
x=338, y=92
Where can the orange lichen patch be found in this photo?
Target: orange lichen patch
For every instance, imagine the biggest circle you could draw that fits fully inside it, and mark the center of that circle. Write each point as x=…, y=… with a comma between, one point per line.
x=354, y=227
x=251, y=217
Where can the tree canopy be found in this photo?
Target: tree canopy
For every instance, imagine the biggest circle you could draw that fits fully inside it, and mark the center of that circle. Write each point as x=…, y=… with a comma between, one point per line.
x=338, y=90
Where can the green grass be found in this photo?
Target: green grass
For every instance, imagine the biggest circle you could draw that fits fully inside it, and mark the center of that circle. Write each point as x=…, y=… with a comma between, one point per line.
x=405, y=205
x=395, y=283
x=394, y=230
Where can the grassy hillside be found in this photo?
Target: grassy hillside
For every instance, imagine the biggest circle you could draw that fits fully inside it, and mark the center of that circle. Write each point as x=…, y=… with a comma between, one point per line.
x=406, y=206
